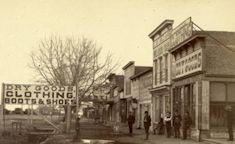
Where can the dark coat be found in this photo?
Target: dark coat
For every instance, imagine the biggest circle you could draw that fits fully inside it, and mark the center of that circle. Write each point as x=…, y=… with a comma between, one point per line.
x=131, y=119
x=187, y=122
x=147, y=121
x=229, y=119
x=177, y=120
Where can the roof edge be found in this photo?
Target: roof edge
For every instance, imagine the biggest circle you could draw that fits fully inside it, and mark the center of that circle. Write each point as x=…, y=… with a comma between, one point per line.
x=141, y=73
x=164, y=23
x=128, y=64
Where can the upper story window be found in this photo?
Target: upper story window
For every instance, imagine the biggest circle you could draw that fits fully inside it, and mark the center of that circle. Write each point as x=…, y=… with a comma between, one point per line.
x=166, y=67
x=155, y=71
x=160, y=68
x=128, y=87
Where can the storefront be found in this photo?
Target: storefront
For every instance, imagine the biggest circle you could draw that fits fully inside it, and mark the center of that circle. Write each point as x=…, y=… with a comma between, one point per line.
x=161, y=79
x=144, y=106
x=201, y=79
x=221, y=94
x=161, y=99
x=202, y=87
x=187, y=96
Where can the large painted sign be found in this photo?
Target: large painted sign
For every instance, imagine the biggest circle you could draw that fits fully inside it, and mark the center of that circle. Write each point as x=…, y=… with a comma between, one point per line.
x=38, y=94
x=189, y=64
x=172, y=38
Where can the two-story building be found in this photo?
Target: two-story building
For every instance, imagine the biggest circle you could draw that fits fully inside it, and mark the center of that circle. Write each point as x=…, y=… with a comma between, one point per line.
x=143, y=80
x=204, y=80
x=131, y=88
x=161, y=86
x=116, y=92
x=202, y=73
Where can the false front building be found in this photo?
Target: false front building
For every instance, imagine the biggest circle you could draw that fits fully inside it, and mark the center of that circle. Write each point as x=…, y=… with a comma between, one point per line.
x=142, y=82
x=132, y=88
x=202, y=76
x=161, y=85
x=204, y=80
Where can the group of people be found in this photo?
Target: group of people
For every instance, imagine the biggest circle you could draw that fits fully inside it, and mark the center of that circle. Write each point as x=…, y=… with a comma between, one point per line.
x=177, y=122
x=187, y=121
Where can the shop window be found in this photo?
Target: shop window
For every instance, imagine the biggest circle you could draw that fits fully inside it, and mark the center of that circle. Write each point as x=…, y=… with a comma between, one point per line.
x=217, y=115
x=189, y=100
x=221, y=94
x=231, y=92
x=217, y=92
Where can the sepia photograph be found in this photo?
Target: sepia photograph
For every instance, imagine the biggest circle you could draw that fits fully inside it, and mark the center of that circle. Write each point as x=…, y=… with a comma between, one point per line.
x=117, y=71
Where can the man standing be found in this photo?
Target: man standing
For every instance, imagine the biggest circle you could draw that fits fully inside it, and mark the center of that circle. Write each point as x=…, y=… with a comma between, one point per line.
x=229, y=122
x=177, y=123
x=168, y=124
x=186, y=124
x=131, y=121
x=147, y=124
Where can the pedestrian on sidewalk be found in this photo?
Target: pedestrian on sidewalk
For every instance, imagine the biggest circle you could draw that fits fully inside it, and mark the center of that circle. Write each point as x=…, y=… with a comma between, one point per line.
x=177, y=123
x=186, y=124
x=229, y=121
x=147, y=123
x=168, y=119
x=131, y=121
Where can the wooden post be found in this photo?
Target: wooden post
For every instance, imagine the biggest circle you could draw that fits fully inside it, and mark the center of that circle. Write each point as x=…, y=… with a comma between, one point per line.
x=51, y=110
x=28, y=114
x=31, y=117
x=3, y=108
x=68, y=118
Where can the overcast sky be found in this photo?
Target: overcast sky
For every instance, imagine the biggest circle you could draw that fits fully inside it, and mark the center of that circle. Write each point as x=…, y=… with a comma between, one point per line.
x=119, y=26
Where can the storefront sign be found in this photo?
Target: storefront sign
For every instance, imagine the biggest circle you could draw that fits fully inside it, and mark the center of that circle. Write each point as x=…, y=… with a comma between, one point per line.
x=188, y=64
x=173, y=37
x=38, y=94
x=181, y=33
x=162, y=38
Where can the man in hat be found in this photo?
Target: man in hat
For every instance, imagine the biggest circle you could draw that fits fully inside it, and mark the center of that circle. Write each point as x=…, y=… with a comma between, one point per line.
x=131, y=121
x=229, y=121
x=147, y=124
x=186, y=124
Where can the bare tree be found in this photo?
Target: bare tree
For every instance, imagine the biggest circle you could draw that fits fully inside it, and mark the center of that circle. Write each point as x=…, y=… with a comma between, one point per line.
x=71, y=61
